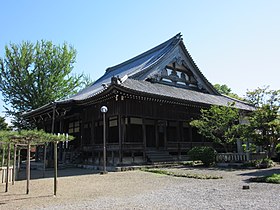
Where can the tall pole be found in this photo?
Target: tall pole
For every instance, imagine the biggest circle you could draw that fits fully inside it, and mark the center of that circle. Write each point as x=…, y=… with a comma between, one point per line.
x=104, y=143
x=8, y=166
x=28, y=168
x=104, y=109
x=14, y=164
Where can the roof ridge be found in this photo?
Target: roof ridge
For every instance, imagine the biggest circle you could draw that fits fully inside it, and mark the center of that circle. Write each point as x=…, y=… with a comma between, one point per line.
x=171, y=40
x=240, y=101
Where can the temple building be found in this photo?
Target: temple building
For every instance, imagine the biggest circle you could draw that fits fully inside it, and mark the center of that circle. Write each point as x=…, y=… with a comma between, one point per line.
x=151, y=99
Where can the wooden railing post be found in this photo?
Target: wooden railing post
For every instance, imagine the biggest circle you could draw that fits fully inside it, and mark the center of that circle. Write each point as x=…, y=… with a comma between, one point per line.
x=14, y=164
x=8, y=165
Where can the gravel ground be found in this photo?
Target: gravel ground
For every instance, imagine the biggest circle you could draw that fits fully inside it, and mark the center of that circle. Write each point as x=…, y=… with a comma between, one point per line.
x=84, y=189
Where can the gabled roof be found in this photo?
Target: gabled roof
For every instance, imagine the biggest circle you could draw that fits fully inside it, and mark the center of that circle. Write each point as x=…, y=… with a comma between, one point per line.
x=140, y=67
x=130, y=67
x=134, y=72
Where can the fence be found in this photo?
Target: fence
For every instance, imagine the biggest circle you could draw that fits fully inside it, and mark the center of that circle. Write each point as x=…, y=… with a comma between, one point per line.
x=3, y=174
x=232, y=157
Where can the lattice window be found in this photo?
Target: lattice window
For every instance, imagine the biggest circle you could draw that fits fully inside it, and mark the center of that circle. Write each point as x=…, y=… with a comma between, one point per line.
x=74, y=127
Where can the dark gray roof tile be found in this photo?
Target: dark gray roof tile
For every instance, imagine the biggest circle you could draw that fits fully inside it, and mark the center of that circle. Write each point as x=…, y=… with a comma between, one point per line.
x=183, y=94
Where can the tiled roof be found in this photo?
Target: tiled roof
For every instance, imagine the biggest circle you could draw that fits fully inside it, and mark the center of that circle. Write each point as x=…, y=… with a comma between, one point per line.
x=167, y=91
x=131, y=67
x=134, y=69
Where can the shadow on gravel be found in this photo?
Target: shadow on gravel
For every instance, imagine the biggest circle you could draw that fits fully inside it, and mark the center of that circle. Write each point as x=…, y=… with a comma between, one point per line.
x=26, y=198
x=262, y=172
x=38, y=174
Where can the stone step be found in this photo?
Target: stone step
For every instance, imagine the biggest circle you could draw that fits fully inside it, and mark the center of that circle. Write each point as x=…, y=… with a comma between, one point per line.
x=159, y=156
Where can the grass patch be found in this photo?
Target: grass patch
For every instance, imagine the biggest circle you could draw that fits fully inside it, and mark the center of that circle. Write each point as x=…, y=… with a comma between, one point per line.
x=192, y=163
x=274, y=178
x=175, y=174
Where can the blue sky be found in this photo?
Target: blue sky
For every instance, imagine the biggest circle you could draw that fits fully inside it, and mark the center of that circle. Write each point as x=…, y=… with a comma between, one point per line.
x=233, y=42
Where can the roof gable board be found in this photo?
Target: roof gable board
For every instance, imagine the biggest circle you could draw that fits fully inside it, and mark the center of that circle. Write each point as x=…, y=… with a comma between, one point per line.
x=185, y=75
x=150, y=64
x=130, y=67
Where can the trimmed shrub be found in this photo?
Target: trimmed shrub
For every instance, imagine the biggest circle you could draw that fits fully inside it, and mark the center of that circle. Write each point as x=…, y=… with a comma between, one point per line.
x=264, y=163
x=274, y=178
x=206, y=154
x=277, y=150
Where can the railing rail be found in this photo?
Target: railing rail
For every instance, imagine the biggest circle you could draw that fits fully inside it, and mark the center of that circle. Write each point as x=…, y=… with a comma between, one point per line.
x=231, y=157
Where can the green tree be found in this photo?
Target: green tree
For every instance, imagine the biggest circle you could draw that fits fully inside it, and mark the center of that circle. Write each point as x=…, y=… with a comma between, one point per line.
x=264, y=122
x=219, y=123
x=225, y=90
x=32, y=75
x=3, y=124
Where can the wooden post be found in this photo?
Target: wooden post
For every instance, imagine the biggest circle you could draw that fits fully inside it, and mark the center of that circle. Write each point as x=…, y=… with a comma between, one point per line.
x=18, y=163
x=120, y=138
x=14, y=164
x=144, y=139
x=28, y=168
x=3, y=161
x=165, y=135
x=8, y=165
x=55, y=149
x=55, y=167
x=156, y=131
x=3, y=156
x=45, y=159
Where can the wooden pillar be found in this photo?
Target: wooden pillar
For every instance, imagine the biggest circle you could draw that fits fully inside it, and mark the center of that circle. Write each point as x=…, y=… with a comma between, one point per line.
x=191, y=136
x=28, y=168
x=156, y=133
x=178, y=140
x=120, y=128
x=55, y=151
x=8, y=165
x=144, y=139
x=55, y=167
x=14, y=164
x=165, y=135
x=45, y=159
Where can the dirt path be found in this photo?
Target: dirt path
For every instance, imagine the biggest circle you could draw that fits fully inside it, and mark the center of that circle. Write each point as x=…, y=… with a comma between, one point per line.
x=84, y=189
